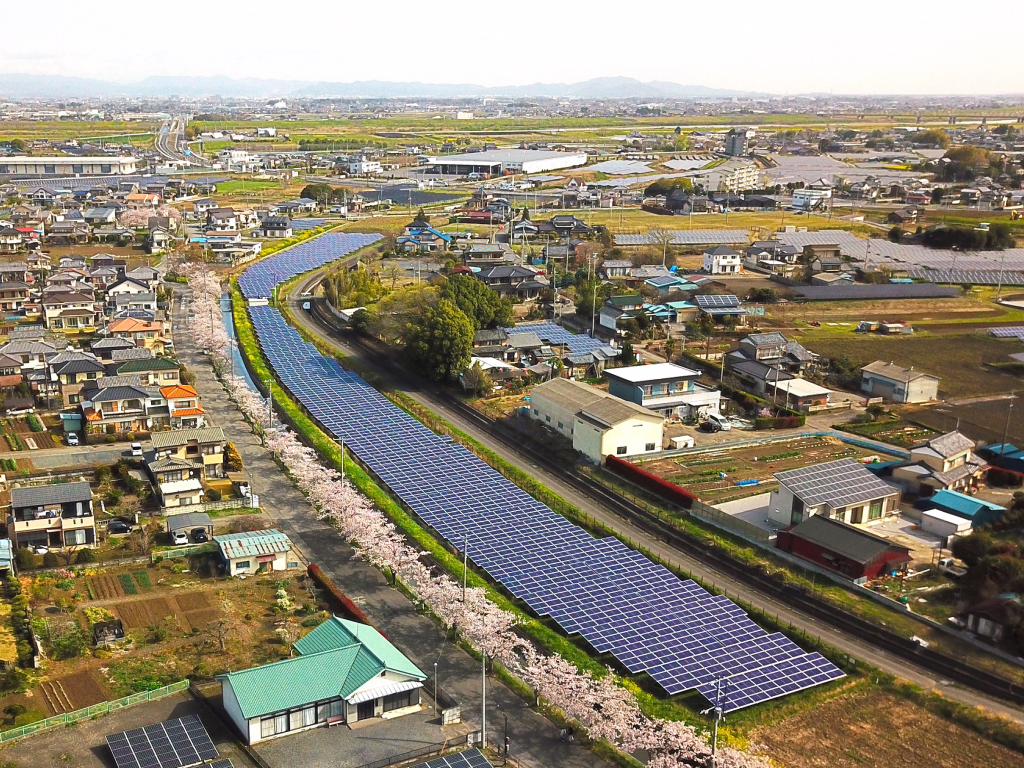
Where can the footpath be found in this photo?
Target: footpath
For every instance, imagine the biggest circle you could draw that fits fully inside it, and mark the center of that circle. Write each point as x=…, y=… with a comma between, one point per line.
x=534, y=739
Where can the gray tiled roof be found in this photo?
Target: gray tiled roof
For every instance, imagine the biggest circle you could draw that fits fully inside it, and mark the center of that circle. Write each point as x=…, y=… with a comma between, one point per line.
x=59, y=493
x=846, y=540
x=178, y=437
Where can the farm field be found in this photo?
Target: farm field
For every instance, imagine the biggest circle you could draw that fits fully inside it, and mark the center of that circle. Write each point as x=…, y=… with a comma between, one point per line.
x=958, y=361
x=894, y=432
x=983, y=420
x=74, y=129
x=700, y=472
x=873, y=729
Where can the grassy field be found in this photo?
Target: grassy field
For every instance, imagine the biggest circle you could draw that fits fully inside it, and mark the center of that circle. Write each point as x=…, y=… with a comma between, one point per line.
x=958, y=360
x=72, y=129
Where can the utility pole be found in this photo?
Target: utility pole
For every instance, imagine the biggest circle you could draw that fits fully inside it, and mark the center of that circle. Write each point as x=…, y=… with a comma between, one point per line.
x=1006, y=429
x=465, y=564
x=717, y=710
x=483, y=703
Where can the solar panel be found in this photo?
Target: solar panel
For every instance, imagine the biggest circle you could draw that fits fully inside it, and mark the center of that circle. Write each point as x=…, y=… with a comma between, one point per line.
x=614, y=597
x=471, y=758
x=225, y=763
x=1016, y=332
x=690, y=237
x=835, y=483
x=171, y=744
x=716, y=301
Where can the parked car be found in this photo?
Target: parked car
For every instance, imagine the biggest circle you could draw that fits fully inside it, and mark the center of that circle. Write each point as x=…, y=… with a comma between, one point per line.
x=117, y=526
x=722, y=421
x=179, y=537
x=199, y=535
x=136, y=449
x=710, y=426
x=21, y=411
x=39, y=549
x=72, y=438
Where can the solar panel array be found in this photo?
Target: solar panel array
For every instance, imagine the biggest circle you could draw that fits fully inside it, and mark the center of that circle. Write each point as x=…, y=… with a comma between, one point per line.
x=616, y=598
x=690, y=237
x=837, y=483
x=716, y=301
x=259, y=280
x=968, y=276
x=621, y=167
x=171, y=744
x=301, y=225
x=225, y=763
x=557, y=335
x=471, y=758
x=1016, y=332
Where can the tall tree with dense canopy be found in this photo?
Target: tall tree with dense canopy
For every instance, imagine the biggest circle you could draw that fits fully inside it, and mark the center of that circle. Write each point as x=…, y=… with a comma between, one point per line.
x=440, y=342
x=482, y=305
x=322, y=193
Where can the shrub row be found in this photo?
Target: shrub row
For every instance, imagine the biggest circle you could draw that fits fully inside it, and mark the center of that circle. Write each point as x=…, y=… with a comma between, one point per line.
x=34, y=423
x=14, y=441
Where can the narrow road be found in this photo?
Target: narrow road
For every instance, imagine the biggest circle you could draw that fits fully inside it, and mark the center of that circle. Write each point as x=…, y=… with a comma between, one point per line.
x=838, y=639
x=534, y=739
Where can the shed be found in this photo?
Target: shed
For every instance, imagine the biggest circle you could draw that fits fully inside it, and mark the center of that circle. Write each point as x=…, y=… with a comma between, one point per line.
x=188, y=521
x=944, y=524
x=978, y=511
x=846, y=549
x=256, y=551
x=107, y=632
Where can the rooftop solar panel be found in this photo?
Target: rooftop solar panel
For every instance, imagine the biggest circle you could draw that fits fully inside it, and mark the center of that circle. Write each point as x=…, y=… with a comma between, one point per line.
x=716, y=301
x=471, y=758
x=836, y=483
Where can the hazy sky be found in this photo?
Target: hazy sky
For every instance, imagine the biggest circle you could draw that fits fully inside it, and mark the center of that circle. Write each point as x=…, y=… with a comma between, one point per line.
x=866, y=46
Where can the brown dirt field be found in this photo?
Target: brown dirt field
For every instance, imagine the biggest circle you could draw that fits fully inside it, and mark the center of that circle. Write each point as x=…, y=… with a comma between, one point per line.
x=202, y=619
x=979, y=421
x=875, y=730
x=193, y=601
x=83, y=689
x=143, y=613
x=106, y=586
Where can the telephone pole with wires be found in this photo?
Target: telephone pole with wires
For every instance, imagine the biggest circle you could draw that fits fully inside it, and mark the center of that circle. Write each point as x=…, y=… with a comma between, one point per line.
x=717, y=710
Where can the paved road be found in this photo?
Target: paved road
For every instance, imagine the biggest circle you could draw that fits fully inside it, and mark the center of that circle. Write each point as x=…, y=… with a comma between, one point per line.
x=843, y=641
x=534, y=738
x=82, y=457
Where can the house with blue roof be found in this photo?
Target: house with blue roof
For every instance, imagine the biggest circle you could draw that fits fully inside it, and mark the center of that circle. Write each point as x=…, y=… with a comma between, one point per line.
x=978, y=511
x=425, y=239
x=343, y=672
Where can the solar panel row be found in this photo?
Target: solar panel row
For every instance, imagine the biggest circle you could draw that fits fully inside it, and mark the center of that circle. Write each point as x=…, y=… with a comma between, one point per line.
x=471, y=758
x=557, y=335
x=171, y=744
x=968, y=276
x=617, y=599
x=259, y=280
x=1016, y=332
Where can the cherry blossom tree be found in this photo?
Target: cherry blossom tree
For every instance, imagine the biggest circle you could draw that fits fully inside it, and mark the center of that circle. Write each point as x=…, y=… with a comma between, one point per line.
x=598, y=702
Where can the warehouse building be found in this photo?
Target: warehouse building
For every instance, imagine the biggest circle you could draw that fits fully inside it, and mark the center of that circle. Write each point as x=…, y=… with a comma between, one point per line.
x=69, y=165
x=500, y=161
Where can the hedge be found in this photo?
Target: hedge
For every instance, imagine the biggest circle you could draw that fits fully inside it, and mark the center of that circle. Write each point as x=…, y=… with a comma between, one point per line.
x=644, y=479
x=350, y=608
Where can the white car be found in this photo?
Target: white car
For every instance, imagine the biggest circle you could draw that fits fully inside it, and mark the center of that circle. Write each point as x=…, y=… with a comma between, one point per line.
x=21, y=411
x=179, y=537
x=72, y=438
x=39, y=549
x=136, y=449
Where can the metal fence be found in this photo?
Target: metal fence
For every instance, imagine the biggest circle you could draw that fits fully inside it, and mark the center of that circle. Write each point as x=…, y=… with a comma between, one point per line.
x=184, y=551
x=730, y=523
x=89, y=712
x=209, y=506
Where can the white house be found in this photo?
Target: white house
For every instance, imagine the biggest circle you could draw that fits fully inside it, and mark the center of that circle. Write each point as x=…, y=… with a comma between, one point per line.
x=344, y=672
x=898, y=384
x=256, y=552
x=597, y=423
x=841, y=490
x=722, y=260
x=363, y=167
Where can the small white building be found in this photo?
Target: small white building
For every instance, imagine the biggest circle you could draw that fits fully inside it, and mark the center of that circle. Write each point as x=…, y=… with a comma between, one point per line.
x=898, y=384
x=344, y=672
x=364, y=167
x=256, y=552
x=597, y=423
x=811, y=199
x=722, y=260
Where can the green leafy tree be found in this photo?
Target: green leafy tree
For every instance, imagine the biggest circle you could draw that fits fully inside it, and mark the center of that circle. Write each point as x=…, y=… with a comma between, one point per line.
x=964, y=161
x=476, y=379
x=932, y=137
x=895, y=235
x=482, y=305
x=18, y=145
x=322, y=193
x=440, y=342
x=626, y=354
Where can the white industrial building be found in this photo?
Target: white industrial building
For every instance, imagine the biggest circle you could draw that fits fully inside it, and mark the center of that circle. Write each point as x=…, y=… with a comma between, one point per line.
x=597, y=423
x=499, y=161
x=67, y=166
x=811, y=199
x=734, y=175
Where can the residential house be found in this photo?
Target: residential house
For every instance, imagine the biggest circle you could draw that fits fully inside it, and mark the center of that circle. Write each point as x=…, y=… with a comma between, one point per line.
x=256, y=552
x=427, y=239
x=615, y=269
x=665, y=388
x=68, y=232
x=104, y=349
x=125, y=286
x=565, y=226
x=147, y=276
x=774, y=349
x=10, y=374
x=946, y=462
x=800, y=395
x=221, y=220
x=489, y=255
x=276, y=226
x=994, y=617
x=183, y=404
x=617, y=309
x=181, y=460
x=71, y=370
x=898, y=384
x=721, y=308
x=841, y=490
x=152, y=371
x=16, y=272
x=521, y=283
x=100, y=278
x=489, y=342
x=722, y=260
x=151, y=334
x=70, y=312
x=115, y=404
x=846, y=549
x=597, y=423
x=759, y=377
x=126, y=302
x=343, y=672
x=13, y=296
x=55, y=516
x=12, y=240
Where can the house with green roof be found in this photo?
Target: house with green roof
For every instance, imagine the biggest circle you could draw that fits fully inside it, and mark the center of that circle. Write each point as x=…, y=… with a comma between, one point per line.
x=154, y=371
x=345, y=672
x=256, y=552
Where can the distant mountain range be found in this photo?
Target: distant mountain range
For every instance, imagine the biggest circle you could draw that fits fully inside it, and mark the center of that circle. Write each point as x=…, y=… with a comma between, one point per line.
x=60, y=86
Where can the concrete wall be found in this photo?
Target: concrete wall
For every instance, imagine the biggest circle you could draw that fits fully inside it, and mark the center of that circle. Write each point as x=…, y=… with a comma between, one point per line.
x=635, y=434
x=550, y=414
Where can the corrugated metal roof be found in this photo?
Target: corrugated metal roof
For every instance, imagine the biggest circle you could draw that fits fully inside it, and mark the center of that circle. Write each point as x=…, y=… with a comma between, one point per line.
x=253, y=543
x=337, y=632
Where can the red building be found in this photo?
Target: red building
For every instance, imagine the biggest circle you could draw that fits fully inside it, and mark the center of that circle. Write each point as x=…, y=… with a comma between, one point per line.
x=843, y=548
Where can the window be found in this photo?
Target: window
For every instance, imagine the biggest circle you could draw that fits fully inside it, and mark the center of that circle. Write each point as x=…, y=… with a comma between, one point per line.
x=621, y=450
x=75, y=168
x=104, y=169
x=649, y=447
x=561, y=425
x=49, y=169
x=267, y=727
x=536, y=412
x=547, y=419
x=74, y=538
x=242, y=564
x=399, y=700
x=875, y=511
x=170, y=376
